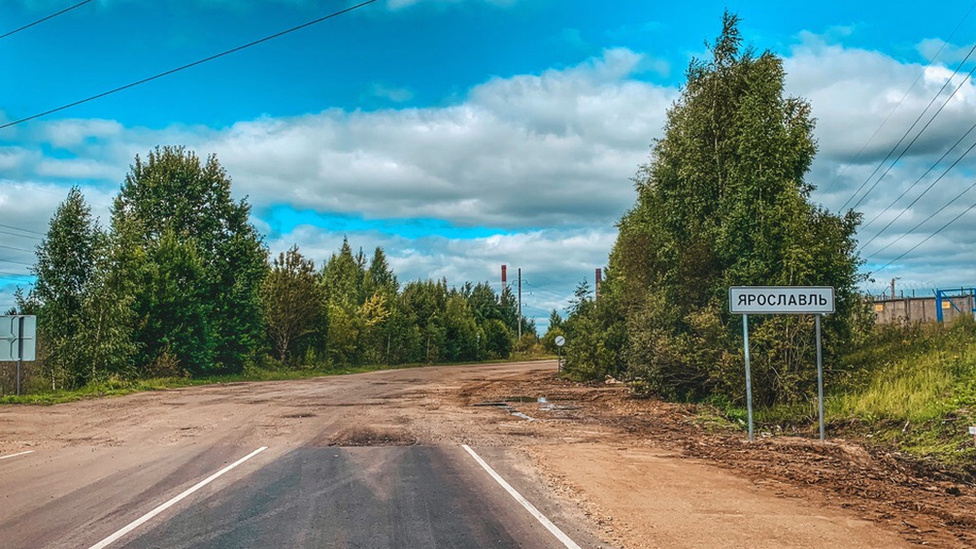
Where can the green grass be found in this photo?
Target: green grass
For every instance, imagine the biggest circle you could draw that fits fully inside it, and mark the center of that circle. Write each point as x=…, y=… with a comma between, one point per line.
x=912, y=388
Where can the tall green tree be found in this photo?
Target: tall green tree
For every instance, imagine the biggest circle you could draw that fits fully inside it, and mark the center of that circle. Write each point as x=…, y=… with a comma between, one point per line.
x=379, y=278
x=425, y=304
x=724, y=202
x=67, y=259
x=172, y=192
x=176, y=331
x=293, y=301
x=343, y=276
x=105, y=345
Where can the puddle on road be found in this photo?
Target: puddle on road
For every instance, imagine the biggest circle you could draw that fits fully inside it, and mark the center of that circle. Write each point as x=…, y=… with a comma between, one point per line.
x=544, y=405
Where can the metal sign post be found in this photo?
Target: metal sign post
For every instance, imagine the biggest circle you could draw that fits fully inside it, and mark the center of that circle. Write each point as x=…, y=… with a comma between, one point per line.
x=745, y=337
x=789, y=300
x=18, y=341
x=560, y=341
x=820, y=400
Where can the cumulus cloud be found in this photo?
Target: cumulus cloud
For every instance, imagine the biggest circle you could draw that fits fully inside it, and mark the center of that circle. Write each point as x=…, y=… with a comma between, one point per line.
x=853, y=91
x=546, y=158
x=556, y=149
x=936, y=49
x=868, y=107
x=528, y=151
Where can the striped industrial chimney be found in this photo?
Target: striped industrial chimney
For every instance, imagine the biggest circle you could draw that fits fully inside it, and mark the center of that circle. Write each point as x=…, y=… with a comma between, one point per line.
x=501, y=293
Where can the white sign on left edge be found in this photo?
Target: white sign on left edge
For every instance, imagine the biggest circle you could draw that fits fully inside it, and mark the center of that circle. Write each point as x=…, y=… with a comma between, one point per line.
x=13, y=339
x=782, y=300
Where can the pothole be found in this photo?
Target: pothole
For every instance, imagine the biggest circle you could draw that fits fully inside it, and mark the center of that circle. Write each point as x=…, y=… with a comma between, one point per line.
x=365, y=436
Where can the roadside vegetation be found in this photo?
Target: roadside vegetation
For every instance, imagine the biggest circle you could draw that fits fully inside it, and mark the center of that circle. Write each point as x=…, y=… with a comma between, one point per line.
x=270, y=371
x=723, y=201
x=180, y=287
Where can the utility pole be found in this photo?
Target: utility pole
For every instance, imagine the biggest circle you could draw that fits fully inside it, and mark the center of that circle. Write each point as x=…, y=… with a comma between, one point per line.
x=520, y=303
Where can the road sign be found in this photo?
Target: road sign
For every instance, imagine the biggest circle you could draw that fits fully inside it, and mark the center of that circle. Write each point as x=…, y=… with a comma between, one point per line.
x=781, y=300
x=18, y=338
x=560, y=341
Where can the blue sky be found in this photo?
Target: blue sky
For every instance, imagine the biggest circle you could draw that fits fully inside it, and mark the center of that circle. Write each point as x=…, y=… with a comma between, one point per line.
x=463, y=134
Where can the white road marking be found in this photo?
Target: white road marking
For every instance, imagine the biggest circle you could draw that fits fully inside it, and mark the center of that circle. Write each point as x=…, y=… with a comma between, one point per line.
x=145, y=518
x=17, y=454
x=560, y=535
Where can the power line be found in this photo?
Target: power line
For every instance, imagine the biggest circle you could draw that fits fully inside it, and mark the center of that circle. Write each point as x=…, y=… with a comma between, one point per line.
x=923, y=193
x=15, y=274
x=926, y=239
x=19, y=229
x=19, y=235
x=189, y=65
x=902, y=100
x=16, y=249
x=922, y=222
x=43, y=19
x=909, y=131
x=2, y=260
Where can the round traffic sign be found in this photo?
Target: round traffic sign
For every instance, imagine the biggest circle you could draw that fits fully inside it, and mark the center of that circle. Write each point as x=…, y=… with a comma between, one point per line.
x=560, y=341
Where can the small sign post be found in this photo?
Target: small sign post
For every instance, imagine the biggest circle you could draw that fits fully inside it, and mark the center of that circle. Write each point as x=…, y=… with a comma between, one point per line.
x=560, y=341
x=18, y=340
x=784, y=300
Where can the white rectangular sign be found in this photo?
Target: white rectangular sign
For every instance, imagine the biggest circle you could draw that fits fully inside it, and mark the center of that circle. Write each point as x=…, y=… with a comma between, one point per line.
x=12, y=340
x=781, y=300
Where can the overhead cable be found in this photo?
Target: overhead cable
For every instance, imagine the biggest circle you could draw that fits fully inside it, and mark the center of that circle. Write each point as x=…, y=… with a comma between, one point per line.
x=909, y=131
x=16, y=249
x=923, y=193
x=900, y=101
x=187, y=66
x=43, y=19
x=2, y=260
x=20, y=235
x=922, y=222
x=927, y=238
x=19, y=229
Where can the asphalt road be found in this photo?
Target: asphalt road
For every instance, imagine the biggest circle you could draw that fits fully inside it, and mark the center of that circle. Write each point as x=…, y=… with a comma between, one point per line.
x=146, y=487
x=354, y=498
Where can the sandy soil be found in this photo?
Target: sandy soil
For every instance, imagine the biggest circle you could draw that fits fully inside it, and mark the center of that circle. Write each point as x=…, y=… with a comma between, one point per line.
x=643, y=473
x=655, y=476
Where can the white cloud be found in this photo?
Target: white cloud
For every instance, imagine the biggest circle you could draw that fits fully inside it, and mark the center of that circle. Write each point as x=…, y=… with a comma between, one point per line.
x=936, y=49
x=546, y=157
x=853, y=91
x=553, y=261
x=556, y=149
x=397, y=95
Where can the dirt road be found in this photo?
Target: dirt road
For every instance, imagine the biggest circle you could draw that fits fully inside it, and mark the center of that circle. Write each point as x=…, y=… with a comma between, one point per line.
x=386, y=459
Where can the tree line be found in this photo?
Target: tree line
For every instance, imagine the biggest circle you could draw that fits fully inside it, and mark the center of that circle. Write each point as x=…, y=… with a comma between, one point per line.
x=180, y=283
